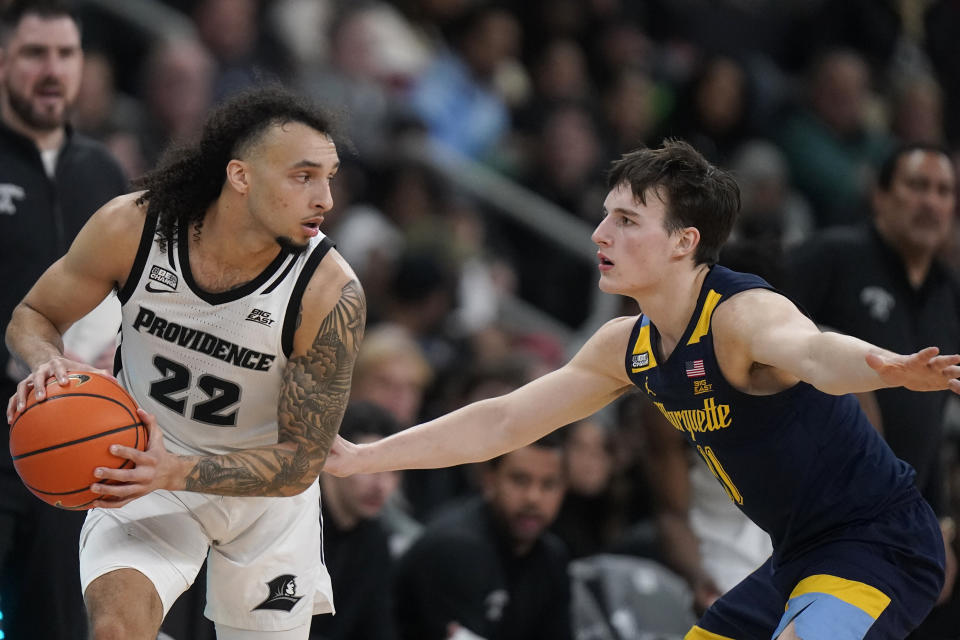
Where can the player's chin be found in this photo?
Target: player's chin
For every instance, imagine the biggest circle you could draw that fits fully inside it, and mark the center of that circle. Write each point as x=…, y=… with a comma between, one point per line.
x=607, y=285
x=294, y=244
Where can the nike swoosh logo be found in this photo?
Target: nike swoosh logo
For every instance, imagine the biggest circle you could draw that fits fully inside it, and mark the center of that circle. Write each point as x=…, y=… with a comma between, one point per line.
x=153, y=289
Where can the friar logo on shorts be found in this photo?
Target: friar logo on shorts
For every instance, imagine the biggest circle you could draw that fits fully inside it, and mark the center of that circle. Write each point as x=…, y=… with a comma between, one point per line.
x=283, y=594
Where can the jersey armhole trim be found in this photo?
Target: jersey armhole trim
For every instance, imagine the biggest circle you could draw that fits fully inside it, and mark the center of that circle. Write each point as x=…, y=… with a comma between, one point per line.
x=293, y=306
x=143, y=251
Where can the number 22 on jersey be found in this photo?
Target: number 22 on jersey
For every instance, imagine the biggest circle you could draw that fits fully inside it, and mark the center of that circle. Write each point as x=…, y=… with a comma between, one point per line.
x=222, y=394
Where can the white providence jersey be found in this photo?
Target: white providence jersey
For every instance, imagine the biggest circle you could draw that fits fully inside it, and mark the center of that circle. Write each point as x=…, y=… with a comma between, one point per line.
x=209, y=365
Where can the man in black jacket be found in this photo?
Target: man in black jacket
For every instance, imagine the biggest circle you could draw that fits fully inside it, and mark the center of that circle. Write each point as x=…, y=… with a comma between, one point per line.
x=489, y=568
x=884, y=284
x=51, y=181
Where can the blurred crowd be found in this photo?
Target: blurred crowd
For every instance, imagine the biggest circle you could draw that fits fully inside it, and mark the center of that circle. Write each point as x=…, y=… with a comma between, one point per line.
x=803, y=100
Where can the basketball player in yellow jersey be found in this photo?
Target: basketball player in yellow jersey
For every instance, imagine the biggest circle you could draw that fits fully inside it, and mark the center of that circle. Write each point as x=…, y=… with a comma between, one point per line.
x=240, y=329
x=758, y=391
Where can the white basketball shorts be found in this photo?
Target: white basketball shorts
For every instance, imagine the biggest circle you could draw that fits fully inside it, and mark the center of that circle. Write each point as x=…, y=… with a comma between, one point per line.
x=265, y=569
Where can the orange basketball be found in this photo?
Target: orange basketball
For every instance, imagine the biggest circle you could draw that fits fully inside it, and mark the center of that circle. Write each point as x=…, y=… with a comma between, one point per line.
x=57, y=443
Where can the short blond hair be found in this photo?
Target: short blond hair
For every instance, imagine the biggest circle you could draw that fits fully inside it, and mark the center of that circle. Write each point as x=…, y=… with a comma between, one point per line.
x=389, y=342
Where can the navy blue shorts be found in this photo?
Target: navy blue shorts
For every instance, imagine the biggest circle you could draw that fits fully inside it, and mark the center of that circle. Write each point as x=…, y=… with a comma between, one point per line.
x=869, y=581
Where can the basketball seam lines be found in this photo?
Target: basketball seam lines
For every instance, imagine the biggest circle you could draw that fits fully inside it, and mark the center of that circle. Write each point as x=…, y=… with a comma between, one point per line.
x=73, y=442
x=70, y=395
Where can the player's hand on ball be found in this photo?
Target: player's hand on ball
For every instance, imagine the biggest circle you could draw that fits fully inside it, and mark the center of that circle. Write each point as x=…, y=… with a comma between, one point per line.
x=924, y=370
x=155, y=468
x=55, y=368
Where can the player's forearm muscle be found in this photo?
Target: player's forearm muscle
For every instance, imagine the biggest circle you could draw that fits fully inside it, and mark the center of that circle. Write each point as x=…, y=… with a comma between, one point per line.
x=313, y=397
x=32, y=337
x=836, y=364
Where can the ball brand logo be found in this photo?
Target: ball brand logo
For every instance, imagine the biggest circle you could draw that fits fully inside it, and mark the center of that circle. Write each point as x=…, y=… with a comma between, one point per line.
x=283, y=594
x=81, y=378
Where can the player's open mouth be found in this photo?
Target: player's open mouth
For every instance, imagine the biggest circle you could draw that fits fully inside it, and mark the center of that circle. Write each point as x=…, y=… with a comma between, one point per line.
x=605, y=262
x=312, y=226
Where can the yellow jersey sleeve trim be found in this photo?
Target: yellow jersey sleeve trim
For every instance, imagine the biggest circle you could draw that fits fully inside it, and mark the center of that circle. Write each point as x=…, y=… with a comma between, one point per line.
x=699, y=633
x=640, y=347
x=863, y=596
x=703, y=324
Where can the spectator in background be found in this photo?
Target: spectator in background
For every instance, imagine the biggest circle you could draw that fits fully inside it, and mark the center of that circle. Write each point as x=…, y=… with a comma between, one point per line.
x=355, y=542
x=392, y=372
x=772, y=213
x=629, y=113
x=421, y=296
x=245, y=57
x=831, y=147
x=884, y=284
x=51, y=181
x=374, y=56
x=455, y=96
x=108, y=115
x=430, y=490
x=178, y=83
x=568, y=167
x=917, y=110
x=590, y=518
x=713, y=110
x=489, y=565
x=560, y=72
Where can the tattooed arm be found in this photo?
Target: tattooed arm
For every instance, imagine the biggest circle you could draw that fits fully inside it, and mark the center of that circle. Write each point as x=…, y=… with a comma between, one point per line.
x=313, y=397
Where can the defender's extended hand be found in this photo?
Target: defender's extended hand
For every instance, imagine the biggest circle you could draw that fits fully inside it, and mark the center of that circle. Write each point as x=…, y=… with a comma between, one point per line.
x=341, y=462
x=154, y=468
x=924, y=370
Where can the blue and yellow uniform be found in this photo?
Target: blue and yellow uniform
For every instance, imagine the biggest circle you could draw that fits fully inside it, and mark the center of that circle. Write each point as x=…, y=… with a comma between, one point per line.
x=856, y=549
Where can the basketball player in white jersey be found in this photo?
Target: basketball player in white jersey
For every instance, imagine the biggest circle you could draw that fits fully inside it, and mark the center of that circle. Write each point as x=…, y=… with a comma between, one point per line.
x=240, y=330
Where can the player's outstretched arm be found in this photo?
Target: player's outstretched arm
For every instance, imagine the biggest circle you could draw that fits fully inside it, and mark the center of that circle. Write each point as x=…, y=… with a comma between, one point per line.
x=765, y=328
x=488, y=428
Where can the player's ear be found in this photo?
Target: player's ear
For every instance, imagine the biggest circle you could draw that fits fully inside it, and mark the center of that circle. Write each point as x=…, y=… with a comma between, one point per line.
x=687, y=240
x=237, y=176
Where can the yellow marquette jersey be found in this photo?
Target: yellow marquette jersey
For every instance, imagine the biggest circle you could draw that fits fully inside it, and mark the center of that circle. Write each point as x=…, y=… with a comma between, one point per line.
x=209, y=366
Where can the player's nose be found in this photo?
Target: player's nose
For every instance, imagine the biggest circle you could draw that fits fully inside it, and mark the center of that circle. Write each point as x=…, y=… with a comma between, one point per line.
x=600, y=236
x=323, y=198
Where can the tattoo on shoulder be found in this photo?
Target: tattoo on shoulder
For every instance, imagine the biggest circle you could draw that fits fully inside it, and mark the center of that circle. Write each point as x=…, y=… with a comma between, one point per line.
x=313, y=398
x=315, y=394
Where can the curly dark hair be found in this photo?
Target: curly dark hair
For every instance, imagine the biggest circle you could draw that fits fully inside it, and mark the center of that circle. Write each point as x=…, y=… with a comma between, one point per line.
x=189, y=178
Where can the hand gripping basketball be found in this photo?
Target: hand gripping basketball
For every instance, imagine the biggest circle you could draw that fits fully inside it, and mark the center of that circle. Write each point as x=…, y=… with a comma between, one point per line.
x=150, y=469
x=57, y=441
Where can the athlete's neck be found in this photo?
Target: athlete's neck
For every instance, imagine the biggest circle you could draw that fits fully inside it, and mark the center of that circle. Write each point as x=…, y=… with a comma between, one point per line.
x=671, y=305
x=227, y=239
